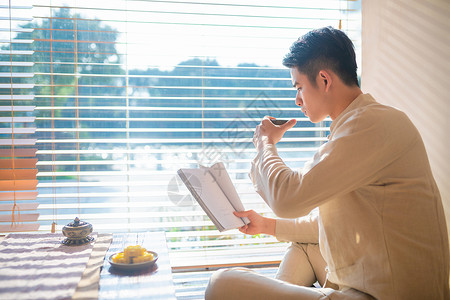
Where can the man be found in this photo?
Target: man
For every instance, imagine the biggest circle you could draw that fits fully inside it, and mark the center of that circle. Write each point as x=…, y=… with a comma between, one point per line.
x=380, y=225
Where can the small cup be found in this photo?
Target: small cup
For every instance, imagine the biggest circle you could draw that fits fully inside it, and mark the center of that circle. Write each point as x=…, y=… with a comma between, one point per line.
x=278, y=122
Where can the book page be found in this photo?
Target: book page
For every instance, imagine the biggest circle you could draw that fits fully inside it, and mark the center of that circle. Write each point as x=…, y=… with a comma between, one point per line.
x=222, y=177
x=213, y=197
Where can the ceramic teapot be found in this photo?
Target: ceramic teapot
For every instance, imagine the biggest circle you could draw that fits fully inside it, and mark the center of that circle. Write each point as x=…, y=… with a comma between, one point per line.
x=77, y=233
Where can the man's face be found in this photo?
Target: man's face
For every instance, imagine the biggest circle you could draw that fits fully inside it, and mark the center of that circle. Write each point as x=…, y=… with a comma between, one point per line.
x=309, y=97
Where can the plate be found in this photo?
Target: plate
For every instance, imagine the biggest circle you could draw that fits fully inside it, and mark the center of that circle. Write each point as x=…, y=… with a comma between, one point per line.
x=132, y=267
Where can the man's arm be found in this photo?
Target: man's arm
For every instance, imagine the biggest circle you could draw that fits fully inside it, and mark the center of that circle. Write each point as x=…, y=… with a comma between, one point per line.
x=361, y=147
x=301, y=230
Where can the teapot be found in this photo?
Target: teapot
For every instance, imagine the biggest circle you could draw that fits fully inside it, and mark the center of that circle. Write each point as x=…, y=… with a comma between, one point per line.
x=77, y=233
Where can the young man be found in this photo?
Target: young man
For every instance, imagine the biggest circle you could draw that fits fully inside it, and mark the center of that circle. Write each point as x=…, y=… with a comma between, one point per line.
x=380, y=226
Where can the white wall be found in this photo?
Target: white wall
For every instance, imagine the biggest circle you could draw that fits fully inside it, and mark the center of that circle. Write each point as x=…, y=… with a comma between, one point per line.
x=406, y=64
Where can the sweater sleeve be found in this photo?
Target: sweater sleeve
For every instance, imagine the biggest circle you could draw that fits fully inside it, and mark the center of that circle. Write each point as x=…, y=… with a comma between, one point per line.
x=300, y=230
x=360, y=147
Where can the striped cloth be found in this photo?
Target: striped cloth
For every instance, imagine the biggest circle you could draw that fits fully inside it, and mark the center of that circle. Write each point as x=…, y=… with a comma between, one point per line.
x=38, y=266
x=88, y=286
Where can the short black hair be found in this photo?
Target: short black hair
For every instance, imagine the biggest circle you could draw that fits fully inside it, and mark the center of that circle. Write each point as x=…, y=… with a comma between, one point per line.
x=324, y=48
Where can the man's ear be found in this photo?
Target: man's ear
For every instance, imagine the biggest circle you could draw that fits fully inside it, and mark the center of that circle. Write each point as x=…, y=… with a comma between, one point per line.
x=325, y=78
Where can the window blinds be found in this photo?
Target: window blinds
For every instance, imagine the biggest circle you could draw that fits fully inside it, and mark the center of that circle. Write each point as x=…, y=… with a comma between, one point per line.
x=127, y=92
x=17, y=143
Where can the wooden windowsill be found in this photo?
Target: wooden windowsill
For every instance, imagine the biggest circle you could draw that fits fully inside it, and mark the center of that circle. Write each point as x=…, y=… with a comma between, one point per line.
x=249, y=264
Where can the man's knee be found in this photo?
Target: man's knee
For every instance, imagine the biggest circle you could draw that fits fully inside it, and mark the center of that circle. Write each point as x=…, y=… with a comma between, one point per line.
x=218, y=284
x=221, y=283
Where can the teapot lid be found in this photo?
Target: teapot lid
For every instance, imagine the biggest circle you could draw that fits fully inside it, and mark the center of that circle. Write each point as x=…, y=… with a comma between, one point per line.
x=77, y=223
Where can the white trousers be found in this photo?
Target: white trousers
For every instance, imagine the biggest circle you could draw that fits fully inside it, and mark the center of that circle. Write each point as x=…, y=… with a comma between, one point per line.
x=300, y=268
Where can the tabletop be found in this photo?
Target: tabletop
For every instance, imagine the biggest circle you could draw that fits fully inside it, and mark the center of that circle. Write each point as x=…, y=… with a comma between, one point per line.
x=152, y=283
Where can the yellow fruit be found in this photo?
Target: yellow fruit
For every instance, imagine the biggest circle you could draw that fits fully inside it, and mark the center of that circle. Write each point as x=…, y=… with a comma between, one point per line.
x=119, y=258
x=132, y=254
x=133, y=251
x=146, y=257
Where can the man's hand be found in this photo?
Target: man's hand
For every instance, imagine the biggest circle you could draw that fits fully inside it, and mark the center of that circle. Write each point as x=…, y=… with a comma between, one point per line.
x=258, y=224
x=269, y=133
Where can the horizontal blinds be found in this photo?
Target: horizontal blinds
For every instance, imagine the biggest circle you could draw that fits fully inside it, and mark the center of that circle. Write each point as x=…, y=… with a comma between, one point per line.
x=18, y=180
x=127, y=92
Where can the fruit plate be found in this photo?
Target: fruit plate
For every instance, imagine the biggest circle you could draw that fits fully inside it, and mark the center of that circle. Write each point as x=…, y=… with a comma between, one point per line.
x=132, y=267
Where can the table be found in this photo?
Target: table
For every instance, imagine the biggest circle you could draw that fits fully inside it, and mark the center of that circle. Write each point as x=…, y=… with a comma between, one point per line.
x=153, y=283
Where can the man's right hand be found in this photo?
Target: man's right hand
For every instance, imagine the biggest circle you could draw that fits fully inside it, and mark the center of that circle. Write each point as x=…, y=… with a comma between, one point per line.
x=269, y=133
x=258, y=224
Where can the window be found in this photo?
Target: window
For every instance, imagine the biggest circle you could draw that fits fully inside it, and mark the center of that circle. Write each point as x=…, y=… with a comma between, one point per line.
x=17, y=144
x=127, y=92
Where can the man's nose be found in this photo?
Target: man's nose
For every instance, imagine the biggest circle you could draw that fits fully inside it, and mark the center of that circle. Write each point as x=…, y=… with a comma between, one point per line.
x=299, y=100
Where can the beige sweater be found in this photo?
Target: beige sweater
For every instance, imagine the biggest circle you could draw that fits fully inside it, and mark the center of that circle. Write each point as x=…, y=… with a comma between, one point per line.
x=381, y=225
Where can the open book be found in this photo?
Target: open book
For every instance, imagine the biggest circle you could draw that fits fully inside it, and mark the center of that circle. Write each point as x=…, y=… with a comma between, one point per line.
x=216, y=194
